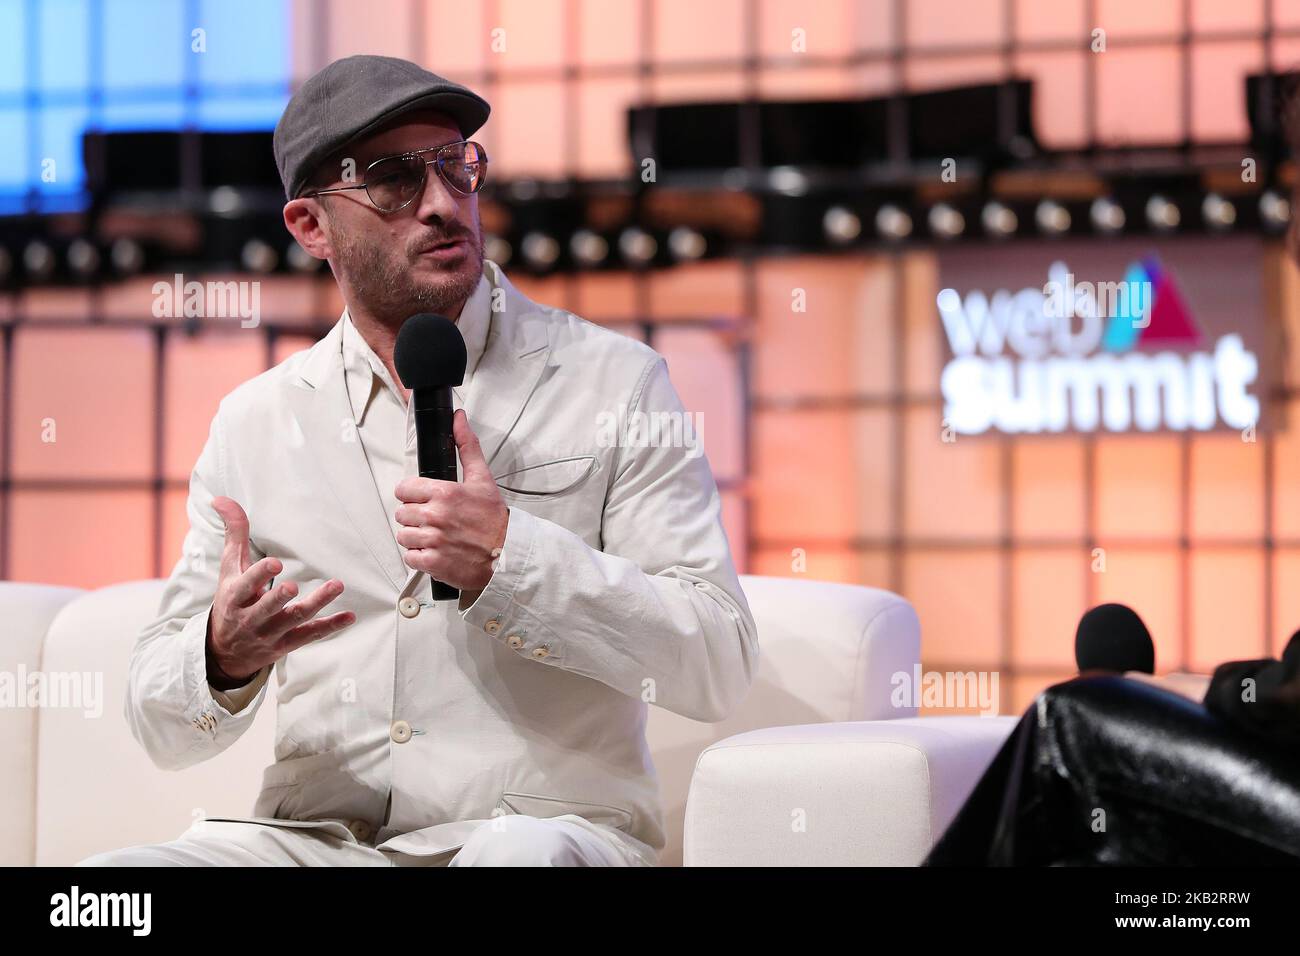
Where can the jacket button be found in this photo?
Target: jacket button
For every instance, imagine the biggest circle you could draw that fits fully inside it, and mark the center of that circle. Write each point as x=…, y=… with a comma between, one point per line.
x=400, y=732
x=408, y=606
x=541, y=651
x=515, y=641
x=360, y=829
x=492, y=626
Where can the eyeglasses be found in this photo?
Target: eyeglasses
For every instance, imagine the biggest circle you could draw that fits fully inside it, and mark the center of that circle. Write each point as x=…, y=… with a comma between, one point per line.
x=394, y=182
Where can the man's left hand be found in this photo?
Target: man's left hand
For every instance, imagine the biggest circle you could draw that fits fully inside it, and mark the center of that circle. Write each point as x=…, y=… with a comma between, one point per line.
x=450, y=528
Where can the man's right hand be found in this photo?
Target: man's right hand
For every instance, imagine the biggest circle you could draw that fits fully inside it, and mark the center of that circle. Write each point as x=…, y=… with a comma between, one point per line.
x=250, y=627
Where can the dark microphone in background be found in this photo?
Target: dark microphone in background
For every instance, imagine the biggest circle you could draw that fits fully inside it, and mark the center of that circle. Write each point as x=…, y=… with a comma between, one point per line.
x=430, y=359
x=1111, y=637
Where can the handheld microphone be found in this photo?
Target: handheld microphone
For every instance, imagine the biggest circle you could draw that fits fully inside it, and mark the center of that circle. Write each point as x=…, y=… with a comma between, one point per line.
x=430, y=358
x=1111, y=637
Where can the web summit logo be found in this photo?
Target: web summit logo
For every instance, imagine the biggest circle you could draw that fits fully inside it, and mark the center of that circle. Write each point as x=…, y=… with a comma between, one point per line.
x=1120, y=355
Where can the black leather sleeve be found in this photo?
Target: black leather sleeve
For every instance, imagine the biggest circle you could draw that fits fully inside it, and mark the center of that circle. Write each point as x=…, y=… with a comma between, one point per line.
x=1261, y=697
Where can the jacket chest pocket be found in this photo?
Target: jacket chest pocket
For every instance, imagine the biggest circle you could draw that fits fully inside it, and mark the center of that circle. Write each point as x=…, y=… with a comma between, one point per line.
x=565, y=491
x=547, y=480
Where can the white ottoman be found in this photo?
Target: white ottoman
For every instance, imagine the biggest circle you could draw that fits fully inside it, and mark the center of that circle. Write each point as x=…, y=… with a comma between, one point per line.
x=854, y=793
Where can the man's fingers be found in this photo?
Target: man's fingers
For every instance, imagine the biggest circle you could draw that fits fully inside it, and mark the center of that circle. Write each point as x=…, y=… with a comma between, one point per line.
x=249, y=587
x=423, y=559
x=270, y=604
x=313, y=630
x=417, y=490
x=473, y=465
x=234, y=553
x=296, y=613
x=433, y=514
x=419, y=538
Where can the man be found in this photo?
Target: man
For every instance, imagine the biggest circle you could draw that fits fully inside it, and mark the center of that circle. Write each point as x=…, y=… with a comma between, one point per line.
x=504, y=728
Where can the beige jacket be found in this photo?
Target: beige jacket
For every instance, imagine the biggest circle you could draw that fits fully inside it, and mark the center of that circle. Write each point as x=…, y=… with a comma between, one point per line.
x=615, y=589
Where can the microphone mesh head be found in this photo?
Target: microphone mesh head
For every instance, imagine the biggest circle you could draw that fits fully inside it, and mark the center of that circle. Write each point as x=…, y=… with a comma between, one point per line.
x=430, y=352
x=1111, y=637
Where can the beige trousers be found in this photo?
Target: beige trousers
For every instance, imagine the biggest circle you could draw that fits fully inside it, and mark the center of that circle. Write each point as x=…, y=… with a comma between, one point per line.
x=512, y=840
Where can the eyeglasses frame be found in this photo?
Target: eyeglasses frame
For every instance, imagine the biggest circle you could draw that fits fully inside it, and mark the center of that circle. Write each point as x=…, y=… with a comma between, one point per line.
x=436, y=161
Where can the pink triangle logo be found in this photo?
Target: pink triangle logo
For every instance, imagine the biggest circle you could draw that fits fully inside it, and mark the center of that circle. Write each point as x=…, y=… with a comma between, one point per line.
x=1170, y=321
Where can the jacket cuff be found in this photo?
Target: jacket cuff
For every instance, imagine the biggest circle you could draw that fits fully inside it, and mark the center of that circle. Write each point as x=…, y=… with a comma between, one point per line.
x=208, y=710
x=237, y=698
x=495, y=611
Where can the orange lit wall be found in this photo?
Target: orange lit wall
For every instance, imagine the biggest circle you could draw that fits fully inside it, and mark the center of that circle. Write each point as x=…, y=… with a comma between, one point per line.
x=822, y=427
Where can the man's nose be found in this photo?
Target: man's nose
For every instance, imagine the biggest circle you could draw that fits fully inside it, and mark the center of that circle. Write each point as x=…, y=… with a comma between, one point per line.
x=437, y=201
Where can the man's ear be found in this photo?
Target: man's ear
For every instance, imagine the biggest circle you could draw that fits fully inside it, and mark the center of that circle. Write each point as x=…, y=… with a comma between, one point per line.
x=307, y=222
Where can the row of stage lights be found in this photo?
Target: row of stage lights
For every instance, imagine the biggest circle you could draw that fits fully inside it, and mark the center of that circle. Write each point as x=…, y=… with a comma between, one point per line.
x=842, y=226
x=893, y=223
x=632, y=247
x=39, y=261
x=42, y=261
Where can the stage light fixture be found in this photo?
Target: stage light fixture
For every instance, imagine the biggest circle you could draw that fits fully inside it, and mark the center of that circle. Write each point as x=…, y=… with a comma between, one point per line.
x=540, y=250
x=38, y=260
x=946, y=222
x=686, y=244
x=127, y=256
x=1162, y=215
x=788, y=180
x=1107, y=215
x=1219, y=214
x=498, y=250
x=1274, y=210
x=226, y=201
x=588, y=248
x=637, y=246
x=841, y=225
x=83, y=258
x=259, y=256
x=525, y=189
x=1052, y=218
x=998, y=219
x=893, y=223
x=299, y=259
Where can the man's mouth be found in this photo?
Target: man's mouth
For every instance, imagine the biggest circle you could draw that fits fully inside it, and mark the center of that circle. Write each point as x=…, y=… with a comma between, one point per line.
x=449, y=249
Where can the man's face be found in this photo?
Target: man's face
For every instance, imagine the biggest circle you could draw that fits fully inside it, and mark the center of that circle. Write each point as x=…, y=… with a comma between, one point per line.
x=385, y=263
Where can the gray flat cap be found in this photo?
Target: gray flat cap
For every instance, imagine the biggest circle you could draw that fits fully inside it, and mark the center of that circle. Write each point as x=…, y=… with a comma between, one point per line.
x=354, y=96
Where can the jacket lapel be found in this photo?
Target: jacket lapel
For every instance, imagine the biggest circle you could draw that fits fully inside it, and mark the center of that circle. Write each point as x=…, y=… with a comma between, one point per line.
x=512, y=367
x=319, y=401
x=508, y=373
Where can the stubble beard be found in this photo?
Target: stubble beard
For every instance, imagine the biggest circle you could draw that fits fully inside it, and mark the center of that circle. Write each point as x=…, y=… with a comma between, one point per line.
x=386, y=286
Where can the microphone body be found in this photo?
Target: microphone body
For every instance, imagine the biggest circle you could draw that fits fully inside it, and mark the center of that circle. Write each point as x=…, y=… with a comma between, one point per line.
x=430, y=358
x=436, y=450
